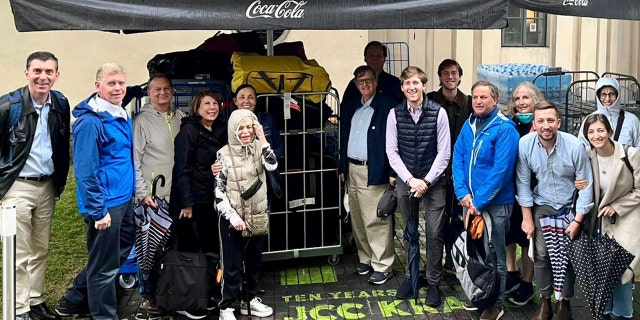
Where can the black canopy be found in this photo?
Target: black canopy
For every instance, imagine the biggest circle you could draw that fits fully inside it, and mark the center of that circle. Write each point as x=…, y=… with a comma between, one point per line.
x=150, y=15
x=611, y=9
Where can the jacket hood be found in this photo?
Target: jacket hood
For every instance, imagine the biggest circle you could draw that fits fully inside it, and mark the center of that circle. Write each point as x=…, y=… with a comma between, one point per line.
x=613, y=109
x=84, y=107
x=236, y=118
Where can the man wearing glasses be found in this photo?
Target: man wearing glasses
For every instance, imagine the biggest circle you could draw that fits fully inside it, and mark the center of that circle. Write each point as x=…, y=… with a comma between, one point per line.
x=365, y=168
x=626, y=126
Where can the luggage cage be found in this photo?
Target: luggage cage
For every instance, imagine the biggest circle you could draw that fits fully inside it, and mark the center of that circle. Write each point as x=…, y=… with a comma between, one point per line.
x=306, y=222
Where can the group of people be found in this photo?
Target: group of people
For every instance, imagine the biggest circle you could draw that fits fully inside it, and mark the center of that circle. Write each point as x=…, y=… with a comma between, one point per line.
x=455, y=154
x=115, y=161
x=461, y=155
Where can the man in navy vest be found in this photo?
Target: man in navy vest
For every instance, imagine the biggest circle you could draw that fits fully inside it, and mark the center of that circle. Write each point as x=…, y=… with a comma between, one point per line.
x=418, y=145
x=34, y=153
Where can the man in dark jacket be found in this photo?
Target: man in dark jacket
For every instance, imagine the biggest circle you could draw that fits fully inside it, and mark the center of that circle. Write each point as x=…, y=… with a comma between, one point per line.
x=364, y=163
x=458, y=108
x=419, y=148
x=375, y=55
x=34, y=163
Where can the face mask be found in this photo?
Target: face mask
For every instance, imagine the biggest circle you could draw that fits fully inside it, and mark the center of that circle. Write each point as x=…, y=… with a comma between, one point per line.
x=525, y=118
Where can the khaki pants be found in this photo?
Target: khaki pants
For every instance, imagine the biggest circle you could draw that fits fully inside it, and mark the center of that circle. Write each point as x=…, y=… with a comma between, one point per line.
x=35, y=203
x=373, y=235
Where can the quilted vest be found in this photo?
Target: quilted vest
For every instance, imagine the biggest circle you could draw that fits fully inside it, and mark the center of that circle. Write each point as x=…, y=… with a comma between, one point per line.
x=418, y=142
x=248, y=168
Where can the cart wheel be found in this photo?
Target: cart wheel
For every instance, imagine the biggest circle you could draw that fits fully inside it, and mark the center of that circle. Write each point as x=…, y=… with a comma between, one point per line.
x=333, y=259
x=127, y=280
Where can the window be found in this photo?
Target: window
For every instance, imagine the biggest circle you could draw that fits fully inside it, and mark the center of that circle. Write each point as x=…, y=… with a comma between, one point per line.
x=526, y=28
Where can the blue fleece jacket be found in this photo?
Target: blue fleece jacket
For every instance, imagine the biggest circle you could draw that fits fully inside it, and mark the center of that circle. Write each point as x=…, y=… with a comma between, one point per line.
x=103, y=160
x=484, y=159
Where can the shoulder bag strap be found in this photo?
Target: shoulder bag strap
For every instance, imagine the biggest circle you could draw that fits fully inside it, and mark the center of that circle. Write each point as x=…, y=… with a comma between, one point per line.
x=616, y=135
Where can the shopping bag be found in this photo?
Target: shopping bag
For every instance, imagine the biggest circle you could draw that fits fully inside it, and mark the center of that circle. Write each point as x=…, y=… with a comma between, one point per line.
x=185, y=280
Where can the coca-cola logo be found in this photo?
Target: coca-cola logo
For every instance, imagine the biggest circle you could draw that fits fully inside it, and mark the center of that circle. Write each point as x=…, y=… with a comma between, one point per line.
x=288, y=9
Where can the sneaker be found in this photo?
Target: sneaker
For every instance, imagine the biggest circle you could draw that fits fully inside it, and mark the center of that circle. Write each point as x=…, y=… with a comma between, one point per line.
x=150, y=306
x=24, y=316
x=66, y=308
x=433, y=296
x=258, y=308
x=493, y=313
x=194, y=314
x=523, y=295
x=468, y=305
x=227, y=314
x=362, y=269
x=513, y=281
x=380, y=277
x=405, y=291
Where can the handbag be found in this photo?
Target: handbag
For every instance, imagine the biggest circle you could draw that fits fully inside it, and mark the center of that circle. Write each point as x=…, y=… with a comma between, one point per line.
x=257, y=224
x=388, y=202
x=275, y=181
x=185, y=280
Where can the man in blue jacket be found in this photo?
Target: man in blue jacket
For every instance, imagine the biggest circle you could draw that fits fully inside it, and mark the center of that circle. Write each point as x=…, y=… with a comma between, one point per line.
x=105, y=177
x=484, y=158
x=364, y=165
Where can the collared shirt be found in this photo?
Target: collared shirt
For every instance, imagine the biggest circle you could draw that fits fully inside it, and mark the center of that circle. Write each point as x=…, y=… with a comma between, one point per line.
x=556, y=173
x=100, y=105
x=444, y=146
x=357, y=147
x=40, y=160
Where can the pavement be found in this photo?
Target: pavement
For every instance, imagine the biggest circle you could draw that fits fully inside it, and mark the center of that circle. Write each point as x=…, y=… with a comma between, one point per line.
x=312, y=288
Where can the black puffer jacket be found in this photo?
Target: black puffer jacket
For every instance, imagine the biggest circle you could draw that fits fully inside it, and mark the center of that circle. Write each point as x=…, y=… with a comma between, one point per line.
x=16, y=146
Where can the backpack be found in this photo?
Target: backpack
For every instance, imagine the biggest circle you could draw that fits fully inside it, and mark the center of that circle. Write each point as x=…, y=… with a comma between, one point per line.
x=476, y=263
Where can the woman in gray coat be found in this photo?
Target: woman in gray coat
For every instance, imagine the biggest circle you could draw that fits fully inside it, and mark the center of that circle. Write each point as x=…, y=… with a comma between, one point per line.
x=617, y=194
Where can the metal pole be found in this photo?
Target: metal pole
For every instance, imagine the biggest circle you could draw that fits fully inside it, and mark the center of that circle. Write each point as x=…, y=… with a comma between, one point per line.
x=8, y=236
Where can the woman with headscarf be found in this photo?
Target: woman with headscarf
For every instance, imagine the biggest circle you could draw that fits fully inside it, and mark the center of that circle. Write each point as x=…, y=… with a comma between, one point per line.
x=241, y=193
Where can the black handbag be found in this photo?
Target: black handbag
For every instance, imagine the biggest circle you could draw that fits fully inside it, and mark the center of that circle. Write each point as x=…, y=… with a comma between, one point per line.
x=185, y=280
x=275, y=181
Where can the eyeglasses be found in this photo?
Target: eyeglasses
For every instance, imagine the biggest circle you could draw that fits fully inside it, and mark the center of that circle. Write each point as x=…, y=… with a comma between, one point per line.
x=363, y=81
x=608, y=95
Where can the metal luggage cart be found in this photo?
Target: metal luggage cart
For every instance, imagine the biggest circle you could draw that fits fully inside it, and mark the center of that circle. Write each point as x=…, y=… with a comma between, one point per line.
x=186, y=89
x=305, y=222
x=575, y=98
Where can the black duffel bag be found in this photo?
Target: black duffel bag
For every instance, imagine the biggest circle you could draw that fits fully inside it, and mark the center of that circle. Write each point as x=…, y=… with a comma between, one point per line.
x=185, y=280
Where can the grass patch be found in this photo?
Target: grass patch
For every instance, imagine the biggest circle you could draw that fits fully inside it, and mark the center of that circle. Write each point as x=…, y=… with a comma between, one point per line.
x=68, y=250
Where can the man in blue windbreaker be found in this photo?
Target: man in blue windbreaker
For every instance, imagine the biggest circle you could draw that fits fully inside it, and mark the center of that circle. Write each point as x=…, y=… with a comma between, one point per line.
x=105, y=177
x=484, y=159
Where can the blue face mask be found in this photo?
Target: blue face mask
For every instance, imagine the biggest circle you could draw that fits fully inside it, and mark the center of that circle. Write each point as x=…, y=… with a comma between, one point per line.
x=525, y=118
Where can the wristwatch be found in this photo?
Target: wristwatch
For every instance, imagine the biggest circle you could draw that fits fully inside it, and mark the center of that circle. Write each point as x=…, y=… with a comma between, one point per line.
x=428, y=183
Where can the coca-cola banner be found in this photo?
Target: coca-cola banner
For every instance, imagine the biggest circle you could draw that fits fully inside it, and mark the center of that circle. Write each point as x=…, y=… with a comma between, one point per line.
x=149, y=15
x=612, y=9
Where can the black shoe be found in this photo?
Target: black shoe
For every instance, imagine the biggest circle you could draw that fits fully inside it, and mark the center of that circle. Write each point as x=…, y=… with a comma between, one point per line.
x=66, y=308
x=433, y=296
x=513, y=281
x=523, y=295
x=24, y=316
x=405, y=291
x=42, y=311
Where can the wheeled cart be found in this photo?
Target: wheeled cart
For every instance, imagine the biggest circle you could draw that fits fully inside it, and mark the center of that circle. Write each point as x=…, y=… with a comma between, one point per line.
x=305, y=221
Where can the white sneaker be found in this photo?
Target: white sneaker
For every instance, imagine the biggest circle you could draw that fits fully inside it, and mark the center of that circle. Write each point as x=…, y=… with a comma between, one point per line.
x=258, y=308
x=227, y=314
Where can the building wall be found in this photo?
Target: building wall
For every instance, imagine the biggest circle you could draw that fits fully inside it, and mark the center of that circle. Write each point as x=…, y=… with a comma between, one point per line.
x=573, y=43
